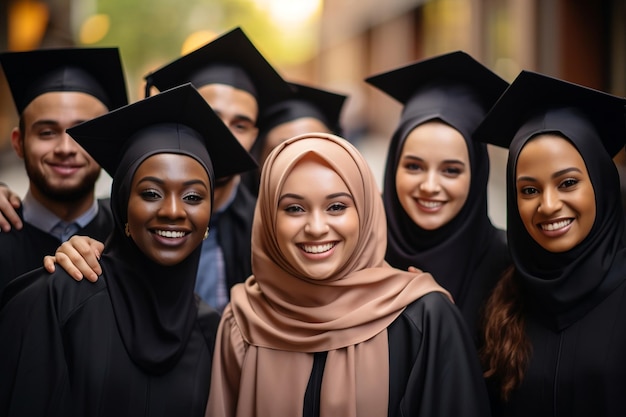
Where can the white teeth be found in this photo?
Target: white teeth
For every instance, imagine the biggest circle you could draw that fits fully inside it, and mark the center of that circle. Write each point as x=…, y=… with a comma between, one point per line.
x=170, y=233
x=318, y=248
x=430, y=204
x=556, y=225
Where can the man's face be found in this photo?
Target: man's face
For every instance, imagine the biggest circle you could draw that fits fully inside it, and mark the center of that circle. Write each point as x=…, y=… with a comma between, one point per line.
x=238, y=110
x=58, y=168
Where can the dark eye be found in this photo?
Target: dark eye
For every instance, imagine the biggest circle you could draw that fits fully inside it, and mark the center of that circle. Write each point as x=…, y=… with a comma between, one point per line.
x=150, y=195
x=46, y=133
x=412, y=166
x=337, y=207
x=452, y=171
x=193, y=198
x=242, y=126
x=294, y=208
x=529, y=190
x=569, y=182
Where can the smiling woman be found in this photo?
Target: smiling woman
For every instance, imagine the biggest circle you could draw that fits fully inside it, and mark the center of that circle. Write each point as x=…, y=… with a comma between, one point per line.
x=325, y=326
x=554, y=334
x=138, y=341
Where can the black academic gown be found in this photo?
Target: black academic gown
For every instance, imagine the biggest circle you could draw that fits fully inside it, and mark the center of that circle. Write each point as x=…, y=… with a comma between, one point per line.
x=579, y=371
x=480, y=283
x=24, y=250
x=66, y=356
x=235, y=234
x=433, y=365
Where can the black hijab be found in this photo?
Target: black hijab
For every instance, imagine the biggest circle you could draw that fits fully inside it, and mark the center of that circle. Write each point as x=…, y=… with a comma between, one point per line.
x=565, y=286
x=154, y=305
x=451, y=252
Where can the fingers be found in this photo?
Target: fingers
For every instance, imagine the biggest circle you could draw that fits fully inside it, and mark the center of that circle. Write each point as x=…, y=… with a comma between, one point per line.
x=79, y=257
x=48, y=263
x=9, y=202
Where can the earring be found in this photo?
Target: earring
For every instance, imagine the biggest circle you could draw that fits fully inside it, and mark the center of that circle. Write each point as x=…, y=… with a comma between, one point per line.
x=206, y=234
x=127, y=230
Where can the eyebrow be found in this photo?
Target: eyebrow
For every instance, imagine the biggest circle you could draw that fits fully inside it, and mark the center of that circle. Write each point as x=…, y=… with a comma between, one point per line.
x=445, y=161
x=239, y=117
x=160, y=181
x=328, y=197
x=553, y=176
x=51, y=122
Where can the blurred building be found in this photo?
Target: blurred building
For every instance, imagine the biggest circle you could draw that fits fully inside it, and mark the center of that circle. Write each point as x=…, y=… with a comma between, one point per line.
x=582, y=41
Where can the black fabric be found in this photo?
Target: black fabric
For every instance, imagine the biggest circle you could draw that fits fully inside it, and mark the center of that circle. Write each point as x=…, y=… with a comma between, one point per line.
x=313, y=391
x=94, y=71
x=453, y=252
x=24, y=250
x=576, y=372
x=62, y=355
x=432, y=360
x=565, y=286
x=235, y=234
x=153, y=304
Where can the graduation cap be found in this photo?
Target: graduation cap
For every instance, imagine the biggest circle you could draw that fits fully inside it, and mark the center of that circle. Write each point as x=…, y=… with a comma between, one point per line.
x=305, y=101
x=231, y=59
x=453, y=87
x=536, y=103
x=452, y=68
x=178, y=120
x=95, y=71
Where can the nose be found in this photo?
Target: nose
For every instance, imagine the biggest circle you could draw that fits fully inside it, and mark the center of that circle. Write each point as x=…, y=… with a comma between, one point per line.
x=550, y=202
x=172, y=207
x=430, y=184
x=316, y=224
x=66, y=145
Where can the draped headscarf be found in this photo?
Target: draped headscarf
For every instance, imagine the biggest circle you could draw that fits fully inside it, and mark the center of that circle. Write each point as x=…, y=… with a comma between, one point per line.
x=284, y=315
x=452, y=252
x=564, y=286
x=154, y=305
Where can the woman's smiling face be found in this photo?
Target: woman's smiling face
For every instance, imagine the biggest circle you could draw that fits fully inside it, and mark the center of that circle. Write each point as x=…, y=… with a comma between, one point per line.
x=169, y=207
x=433, y=174
x=317, y=224
x=555, y=197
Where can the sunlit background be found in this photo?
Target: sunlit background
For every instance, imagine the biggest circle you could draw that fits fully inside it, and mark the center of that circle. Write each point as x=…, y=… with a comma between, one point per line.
x=333, y=44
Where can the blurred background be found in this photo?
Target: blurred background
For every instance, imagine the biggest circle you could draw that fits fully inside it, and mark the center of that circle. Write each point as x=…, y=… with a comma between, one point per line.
x=333, y=44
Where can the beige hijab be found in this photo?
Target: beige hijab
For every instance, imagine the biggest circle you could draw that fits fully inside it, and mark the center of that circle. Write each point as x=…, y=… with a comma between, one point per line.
x=285, y=316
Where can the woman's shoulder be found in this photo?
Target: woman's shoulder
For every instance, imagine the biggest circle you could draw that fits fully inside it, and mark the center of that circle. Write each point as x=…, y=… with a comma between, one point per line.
x=431, y=310
x=57, y=291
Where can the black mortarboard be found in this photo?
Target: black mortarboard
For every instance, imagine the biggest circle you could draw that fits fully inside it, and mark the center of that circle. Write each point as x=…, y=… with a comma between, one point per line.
x=177, y=120
x=539, y=103
x=453, y=87
x=95, y=71
x=231, y=59
x=305, y=101
x=455, y=67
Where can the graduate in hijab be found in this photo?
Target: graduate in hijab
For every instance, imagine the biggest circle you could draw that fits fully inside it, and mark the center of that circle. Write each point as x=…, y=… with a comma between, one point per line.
x=238, y=83
x=324, y=326
x=308, y=109
x=435, y=181
x=138, y=341
x=555, y=337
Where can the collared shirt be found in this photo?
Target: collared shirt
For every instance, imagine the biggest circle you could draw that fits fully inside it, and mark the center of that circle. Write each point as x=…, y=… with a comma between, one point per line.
x=39, y=216
x=211, y=276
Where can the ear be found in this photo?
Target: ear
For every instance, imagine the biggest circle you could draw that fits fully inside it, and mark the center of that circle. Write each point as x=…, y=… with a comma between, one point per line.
x=17, y=142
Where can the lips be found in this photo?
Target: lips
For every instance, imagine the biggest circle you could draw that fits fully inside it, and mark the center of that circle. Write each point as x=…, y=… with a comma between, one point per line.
x=557, y=225
x=316, y=249
x=65, y=169
x=170, y=234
